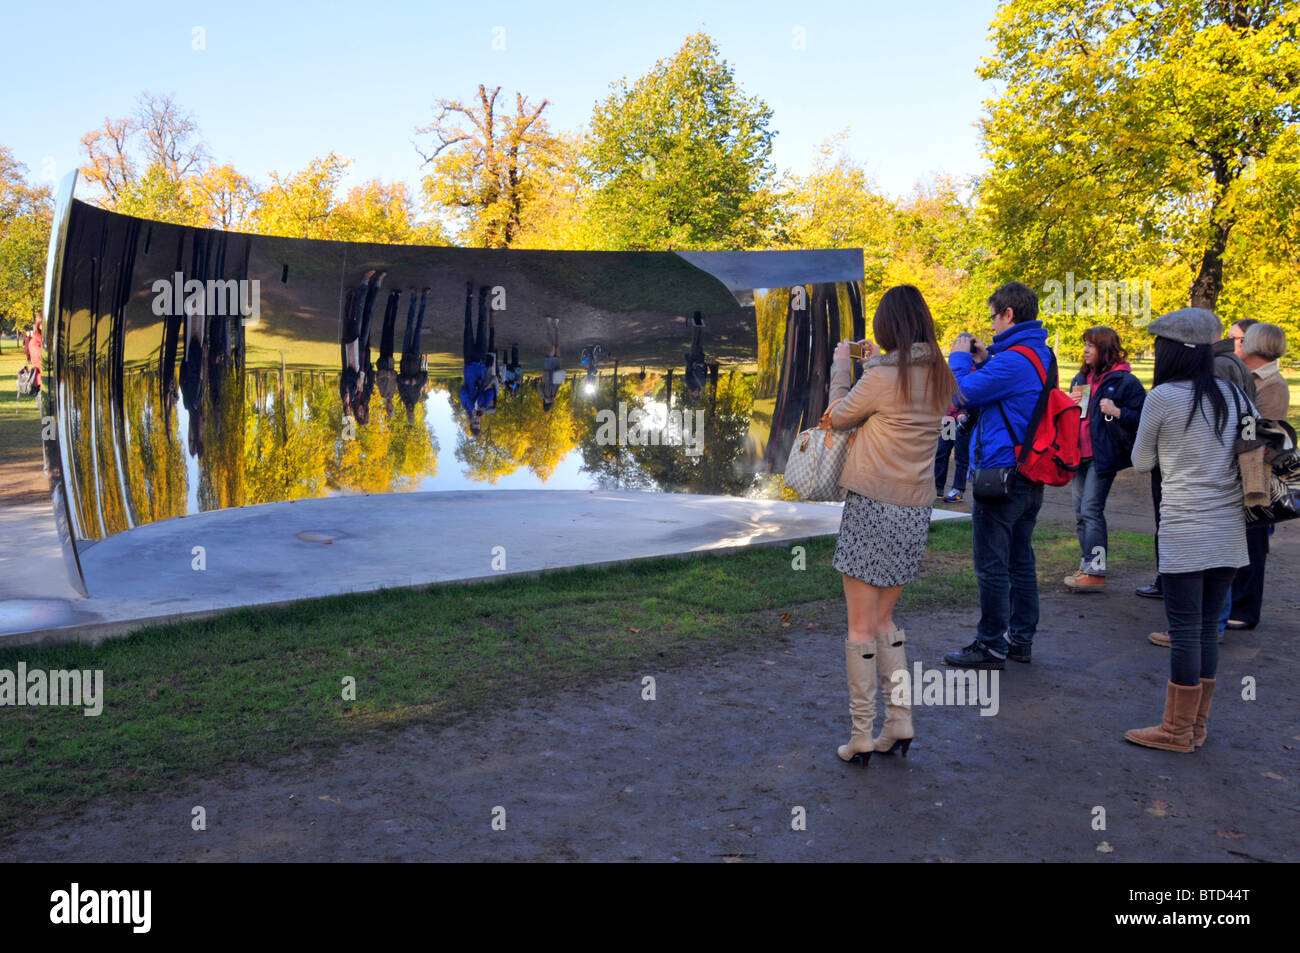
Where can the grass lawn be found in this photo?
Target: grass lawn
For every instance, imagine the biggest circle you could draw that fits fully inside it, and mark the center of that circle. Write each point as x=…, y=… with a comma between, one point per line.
x=253, y=686
x=20, y=420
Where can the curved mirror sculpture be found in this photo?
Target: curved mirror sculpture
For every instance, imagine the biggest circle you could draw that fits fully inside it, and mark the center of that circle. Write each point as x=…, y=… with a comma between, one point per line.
x=196, y=369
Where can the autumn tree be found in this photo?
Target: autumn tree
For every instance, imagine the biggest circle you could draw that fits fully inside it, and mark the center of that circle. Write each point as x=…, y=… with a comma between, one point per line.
x=144, y=165
x=1127, y=132
x=837, y=205
x=25, y=214
x=680, y=158
x=484, y=164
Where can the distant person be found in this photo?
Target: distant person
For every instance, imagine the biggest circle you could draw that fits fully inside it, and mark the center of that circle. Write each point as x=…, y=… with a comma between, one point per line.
x=1262, y=348
x=511, y=376
x=1004, y=387
x=896, y=407
x=1228, y=364
x=548, y=385
x=960, y=363
x=413, y=373
x=1237, y=335
x=478, y=393
x=32, y=350
x=1229, y=367
x=355, y=384
x=385, y=367
x=1111, y=398
x=1188, y=429
x=697, y=365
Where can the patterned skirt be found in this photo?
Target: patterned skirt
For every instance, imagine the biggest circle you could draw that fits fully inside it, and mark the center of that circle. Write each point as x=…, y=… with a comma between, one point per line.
x=881, y=543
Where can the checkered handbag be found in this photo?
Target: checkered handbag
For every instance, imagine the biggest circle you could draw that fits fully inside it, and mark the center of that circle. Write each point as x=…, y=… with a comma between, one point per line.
x=816, y=461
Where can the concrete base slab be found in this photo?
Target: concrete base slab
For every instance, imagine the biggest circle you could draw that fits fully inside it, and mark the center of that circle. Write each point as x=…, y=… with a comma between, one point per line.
x=283, y=552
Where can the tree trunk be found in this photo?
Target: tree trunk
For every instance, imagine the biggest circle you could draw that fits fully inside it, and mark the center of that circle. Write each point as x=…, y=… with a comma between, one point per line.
x=1209, y=280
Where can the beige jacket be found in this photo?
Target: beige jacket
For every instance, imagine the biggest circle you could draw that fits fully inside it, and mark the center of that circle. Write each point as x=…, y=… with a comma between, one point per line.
x=892, y=457
x=1272, y=396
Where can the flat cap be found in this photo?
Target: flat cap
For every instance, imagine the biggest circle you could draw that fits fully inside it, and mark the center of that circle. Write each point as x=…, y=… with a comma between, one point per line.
x=1188, y=326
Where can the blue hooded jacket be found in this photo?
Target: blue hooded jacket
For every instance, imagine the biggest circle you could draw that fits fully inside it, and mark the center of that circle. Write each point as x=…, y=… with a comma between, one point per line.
x=1008, y=379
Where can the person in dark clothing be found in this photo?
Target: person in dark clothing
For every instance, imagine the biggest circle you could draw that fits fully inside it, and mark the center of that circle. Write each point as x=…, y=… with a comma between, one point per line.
x=1111, y=399
x=548, y=385
x=1005, y=387
x=355, y=384
x=697, y=365
x=1263, y=346
x=478, y=393
x=960, y=362
x=386, y=369
x=413, y=374
x=194, y=370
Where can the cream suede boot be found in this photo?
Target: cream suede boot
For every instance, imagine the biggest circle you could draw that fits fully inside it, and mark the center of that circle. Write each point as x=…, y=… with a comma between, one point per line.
x=891, y=656
x=860, y=663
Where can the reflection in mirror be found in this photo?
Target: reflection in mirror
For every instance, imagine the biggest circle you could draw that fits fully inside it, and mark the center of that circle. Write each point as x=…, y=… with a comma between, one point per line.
x=197, y=370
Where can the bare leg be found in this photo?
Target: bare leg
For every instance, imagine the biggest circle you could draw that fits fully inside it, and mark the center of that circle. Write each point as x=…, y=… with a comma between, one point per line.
x=886, y=600
x=862, y=602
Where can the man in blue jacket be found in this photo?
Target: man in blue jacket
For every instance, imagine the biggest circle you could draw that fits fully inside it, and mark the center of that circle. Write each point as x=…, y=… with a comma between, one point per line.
x=1004, y=387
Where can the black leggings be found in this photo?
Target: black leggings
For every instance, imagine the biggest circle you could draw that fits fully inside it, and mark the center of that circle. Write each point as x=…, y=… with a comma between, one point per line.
x=1193, y=604
x=479, y=341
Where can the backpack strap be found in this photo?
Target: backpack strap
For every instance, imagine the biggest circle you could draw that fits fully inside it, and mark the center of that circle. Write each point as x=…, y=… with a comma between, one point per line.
x=1025, y=351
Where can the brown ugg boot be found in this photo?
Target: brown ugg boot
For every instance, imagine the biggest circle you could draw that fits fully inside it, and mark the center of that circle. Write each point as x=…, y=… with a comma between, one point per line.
x=896, y=732
x=1202, y=712
x=860, y=663
x=1174, y=733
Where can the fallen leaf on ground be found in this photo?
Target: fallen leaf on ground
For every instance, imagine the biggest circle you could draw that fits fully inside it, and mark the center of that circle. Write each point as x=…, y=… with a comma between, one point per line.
x=1104, y=848
x=1273, y=776
x=1231, y=833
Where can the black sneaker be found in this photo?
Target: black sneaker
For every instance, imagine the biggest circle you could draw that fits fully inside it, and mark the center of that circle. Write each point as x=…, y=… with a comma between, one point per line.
x=1020, y=652
x=1153, y=591
x=975, y=655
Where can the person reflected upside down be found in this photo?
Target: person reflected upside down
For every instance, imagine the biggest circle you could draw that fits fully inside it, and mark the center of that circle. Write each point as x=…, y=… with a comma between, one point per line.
x=478, y=394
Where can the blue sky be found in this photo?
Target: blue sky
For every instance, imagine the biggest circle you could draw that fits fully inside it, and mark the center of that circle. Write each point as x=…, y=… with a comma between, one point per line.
x=279, y=84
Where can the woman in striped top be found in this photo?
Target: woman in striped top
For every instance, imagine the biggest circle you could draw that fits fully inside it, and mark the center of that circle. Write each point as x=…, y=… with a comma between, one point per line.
x=1188, y=429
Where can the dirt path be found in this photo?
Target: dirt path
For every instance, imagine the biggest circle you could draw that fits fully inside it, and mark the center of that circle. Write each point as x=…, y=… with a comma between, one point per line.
x=713, y=768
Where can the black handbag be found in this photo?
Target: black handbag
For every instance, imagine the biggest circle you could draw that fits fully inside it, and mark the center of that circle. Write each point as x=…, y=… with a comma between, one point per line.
x=993, y=484
x=1281, y=461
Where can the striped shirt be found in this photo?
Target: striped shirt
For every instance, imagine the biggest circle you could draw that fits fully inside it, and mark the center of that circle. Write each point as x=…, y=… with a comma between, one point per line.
x=1202, y=523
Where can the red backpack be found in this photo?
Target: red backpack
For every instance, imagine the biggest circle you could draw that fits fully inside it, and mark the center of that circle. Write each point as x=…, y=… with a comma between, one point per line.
x=1052, y=454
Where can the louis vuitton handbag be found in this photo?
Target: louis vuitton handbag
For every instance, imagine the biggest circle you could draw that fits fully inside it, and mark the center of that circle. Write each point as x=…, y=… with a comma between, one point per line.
x=816, y=461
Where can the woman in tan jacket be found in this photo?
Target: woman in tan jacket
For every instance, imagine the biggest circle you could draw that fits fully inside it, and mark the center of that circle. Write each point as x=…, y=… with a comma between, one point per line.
x=897, y=407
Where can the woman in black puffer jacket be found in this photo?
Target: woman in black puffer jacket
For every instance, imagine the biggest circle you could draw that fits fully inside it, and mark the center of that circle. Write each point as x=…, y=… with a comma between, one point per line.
x=1111, y=398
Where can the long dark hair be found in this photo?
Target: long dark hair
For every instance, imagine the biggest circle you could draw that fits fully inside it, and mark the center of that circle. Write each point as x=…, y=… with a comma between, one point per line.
x=1109, y=351
x=1176, y=361
x=903, y=319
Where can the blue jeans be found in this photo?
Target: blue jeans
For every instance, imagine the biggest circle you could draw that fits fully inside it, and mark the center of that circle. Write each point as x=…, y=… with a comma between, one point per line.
x=1002, y=545
x=1090, y=491
x=945, y=449
x=1193, y=602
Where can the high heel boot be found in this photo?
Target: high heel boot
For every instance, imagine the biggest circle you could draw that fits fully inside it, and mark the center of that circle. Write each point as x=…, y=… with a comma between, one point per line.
x=891, y=656
x=860, y=664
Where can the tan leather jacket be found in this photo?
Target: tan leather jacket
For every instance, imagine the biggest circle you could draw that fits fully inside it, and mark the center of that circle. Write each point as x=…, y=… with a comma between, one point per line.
x=892, y=456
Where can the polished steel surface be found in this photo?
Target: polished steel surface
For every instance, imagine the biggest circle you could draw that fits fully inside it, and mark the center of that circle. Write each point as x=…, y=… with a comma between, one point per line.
x=194, y=369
